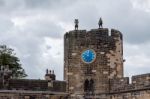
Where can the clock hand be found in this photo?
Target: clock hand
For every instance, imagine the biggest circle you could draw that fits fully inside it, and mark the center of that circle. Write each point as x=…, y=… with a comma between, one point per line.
x=88, y=53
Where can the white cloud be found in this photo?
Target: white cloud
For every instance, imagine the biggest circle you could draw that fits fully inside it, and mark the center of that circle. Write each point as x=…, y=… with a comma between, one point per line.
x=137, y=58
x=141, y=5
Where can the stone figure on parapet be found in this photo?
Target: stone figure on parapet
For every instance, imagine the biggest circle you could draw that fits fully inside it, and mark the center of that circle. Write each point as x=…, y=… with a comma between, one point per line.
x=76, y=24
x=100, y=23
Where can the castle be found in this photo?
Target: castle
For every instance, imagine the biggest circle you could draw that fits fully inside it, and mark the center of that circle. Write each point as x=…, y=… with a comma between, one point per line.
x=93, y=69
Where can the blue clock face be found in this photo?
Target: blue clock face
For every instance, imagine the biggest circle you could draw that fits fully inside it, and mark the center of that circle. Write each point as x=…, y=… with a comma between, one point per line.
x=88, y=56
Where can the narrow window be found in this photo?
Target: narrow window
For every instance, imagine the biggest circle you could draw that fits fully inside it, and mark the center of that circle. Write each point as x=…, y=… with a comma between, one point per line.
x=86, y=85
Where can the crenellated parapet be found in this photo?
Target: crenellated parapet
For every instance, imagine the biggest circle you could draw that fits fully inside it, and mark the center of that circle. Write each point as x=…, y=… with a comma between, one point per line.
x=95, y=33
x=139, y=82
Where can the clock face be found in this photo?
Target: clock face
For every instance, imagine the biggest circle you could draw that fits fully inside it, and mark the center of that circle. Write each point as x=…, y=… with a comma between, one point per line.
x=88, y=56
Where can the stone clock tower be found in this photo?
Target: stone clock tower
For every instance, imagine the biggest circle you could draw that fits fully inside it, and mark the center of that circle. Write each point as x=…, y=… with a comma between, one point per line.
x=91, y=59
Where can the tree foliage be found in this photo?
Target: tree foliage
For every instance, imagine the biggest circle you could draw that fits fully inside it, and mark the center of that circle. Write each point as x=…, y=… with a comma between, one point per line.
x=8, y=58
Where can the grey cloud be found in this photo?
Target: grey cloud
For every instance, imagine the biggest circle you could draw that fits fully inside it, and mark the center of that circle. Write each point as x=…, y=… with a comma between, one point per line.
x=48, y=47
x=137, y=58
x=17, y=5
x=37, y=3
x=8, y=6
x=29, y=46
x=42, y=28
x=133, y=23
x=2, y=3
x=134, y=70
x=5, y=25
x=48, y=3
x=120, y=14
x=136, y=28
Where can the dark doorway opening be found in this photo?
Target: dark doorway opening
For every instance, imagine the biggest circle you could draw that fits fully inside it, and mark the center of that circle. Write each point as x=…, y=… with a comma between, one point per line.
x=89, y=85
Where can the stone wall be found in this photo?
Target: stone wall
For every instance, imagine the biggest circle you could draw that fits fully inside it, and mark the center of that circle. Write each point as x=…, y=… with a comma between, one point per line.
x=22, y=94
x=35, y=84
x=136, y=94
x=139, y=82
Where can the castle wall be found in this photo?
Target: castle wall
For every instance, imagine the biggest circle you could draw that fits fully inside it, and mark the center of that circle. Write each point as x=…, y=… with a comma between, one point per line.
x=139, y=88
x=145, y=94
x=22, y=94
x=139, y=82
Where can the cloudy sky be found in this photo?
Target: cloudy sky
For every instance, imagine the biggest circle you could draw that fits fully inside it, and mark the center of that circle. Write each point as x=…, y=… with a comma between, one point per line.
x=35, y=29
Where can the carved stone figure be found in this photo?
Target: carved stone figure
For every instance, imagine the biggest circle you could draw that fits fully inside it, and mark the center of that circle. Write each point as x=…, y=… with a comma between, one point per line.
x=76, y=24
x=100, y=23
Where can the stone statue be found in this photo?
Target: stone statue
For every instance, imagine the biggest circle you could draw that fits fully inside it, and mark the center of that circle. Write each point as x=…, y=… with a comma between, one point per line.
x=100, y=23
x=76, y=24
x=46, y=71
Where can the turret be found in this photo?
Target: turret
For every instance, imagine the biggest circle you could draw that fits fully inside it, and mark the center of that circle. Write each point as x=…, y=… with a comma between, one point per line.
x=91, y=59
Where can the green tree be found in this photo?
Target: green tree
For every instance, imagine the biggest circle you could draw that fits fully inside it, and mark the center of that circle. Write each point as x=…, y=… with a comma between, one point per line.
x=8, y=58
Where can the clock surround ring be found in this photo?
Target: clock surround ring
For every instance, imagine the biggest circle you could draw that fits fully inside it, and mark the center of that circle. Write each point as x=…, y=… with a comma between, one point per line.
x=92, y=59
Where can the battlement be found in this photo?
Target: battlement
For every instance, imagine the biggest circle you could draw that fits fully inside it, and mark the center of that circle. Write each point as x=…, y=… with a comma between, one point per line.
x=101, y=32
x=141, y=80
x=138, y=82
x=99, y=37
